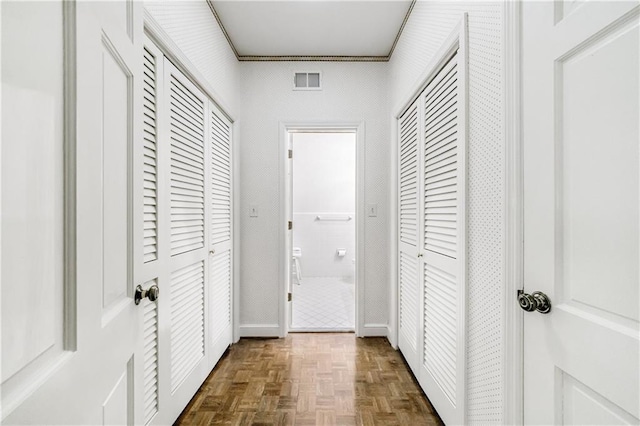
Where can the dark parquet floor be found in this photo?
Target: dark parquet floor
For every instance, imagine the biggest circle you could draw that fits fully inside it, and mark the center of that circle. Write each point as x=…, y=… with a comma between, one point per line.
x=310, y=379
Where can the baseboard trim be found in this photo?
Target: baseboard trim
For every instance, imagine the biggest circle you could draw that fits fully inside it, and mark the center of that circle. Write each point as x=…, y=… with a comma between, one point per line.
x=260, y=330
x=375, y=330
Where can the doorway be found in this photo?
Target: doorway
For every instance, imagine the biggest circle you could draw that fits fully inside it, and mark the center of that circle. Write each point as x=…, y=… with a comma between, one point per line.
x=323, y=239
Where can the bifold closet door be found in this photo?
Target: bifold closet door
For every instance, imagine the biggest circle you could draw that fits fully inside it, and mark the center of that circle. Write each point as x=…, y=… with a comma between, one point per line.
x=186, y=238
x=443, y=244
x=183, y=308
x=432, y=239
x=221, y=231
x=409, y=190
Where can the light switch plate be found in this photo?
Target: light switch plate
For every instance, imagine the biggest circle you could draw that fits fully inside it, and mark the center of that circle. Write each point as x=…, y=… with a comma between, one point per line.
x=372, y=210
x=253, y=210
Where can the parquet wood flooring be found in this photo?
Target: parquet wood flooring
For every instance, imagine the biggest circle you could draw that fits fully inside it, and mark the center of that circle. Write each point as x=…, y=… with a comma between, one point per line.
x=310, y=379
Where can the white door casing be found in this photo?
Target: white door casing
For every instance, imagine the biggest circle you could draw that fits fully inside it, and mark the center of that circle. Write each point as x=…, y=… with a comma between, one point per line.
x=93, y=380
x=581, y=187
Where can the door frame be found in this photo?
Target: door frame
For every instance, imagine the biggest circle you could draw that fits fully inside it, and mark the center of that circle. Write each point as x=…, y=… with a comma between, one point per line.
x=286, y=129
x=513, y=318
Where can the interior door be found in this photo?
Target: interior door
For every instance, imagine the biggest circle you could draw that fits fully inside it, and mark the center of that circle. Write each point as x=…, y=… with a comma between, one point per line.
x=183, y=308
x=581, y=187
x=410, y=188
x=221, y=231
x=91, y=379
x=443, y=244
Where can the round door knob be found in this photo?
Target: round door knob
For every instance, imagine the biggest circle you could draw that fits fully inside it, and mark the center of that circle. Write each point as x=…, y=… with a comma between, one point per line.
x=537, y=301
x=152, y=293
x=527, y=302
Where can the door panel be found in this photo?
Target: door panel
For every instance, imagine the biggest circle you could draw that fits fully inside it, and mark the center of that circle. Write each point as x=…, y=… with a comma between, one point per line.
x=581, y=171
x=442, y=272
x=221, y=231
x=99, y=316
x=409, y=168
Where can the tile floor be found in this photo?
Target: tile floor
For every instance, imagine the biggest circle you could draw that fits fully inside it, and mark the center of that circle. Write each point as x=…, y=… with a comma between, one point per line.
x=323, y=304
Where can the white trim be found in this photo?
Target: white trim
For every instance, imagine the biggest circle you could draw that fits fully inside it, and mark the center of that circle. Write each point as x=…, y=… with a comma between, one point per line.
x=394, y=288
x=173, y=53
x=235, y=232
x=260, y=330
x=70, y=338
x=322, y=126
x=375, y=330
x=513, y=384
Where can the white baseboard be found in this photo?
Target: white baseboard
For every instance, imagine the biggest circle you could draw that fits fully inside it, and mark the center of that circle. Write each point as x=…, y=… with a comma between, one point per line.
x=260, y=330
x=375, y=330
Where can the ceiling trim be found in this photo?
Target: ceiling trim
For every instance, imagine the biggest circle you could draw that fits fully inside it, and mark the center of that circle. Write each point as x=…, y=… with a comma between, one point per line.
x=310, y=58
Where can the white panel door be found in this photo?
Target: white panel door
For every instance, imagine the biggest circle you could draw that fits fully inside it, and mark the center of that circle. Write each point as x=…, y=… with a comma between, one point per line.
x=221, y=235
x=410, y=216
x=581, y=172
x=92, y=382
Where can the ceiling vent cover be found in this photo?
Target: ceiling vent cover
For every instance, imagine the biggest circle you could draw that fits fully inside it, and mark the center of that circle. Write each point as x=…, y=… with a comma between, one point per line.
x=307, y=81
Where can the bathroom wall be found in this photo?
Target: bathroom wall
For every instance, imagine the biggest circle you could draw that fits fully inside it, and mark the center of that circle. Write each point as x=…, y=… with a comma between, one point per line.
x=324, y=184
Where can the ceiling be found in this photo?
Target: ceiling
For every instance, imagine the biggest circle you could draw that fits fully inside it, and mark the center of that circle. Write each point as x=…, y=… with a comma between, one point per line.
x=312, y=30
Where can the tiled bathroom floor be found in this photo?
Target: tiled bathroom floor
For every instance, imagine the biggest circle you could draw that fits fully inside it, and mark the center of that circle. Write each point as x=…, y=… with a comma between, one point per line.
x=324, y=304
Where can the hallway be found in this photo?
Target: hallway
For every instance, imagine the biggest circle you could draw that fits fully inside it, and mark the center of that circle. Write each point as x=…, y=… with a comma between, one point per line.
x=310, y=379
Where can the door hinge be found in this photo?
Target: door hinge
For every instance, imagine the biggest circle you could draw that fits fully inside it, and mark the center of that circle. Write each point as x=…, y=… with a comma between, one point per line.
x=290, y=226
x=290, y=153
x=289, y=297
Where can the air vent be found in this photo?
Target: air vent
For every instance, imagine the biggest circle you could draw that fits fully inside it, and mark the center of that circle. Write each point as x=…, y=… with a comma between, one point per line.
x=307, y=81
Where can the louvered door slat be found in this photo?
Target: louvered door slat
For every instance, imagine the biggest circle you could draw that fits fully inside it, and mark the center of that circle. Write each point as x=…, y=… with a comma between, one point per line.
x=408, y=169
x=187, y=321
x=220, y=277
x=150, y=356
x=441, y=161
x=440, y=327
x=220, y=222
x=409, y=299
x=150, y=156
x=187, y=127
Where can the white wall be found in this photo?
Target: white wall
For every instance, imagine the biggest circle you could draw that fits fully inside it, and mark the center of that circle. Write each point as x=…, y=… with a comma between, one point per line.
x=353, y=92
x=324, y=183
x=193, y=28
x=428, y=26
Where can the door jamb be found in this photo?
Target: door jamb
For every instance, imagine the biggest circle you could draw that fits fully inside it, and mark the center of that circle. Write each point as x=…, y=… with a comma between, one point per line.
x=513, y=320
x=286, y=128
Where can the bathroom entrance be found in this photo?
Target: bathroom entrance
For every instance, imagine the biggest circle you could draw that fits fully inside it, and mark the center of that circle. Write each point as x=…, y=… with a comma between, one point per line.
x=323, y=237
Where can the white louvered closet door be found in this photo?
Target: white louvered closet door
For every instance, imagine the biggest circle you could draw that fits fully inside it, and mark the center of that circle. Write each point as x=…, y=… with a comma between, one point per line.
x=442, y=270
x=149, y=237
x=184, y=362
x=409, y=191
x=220, y=231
